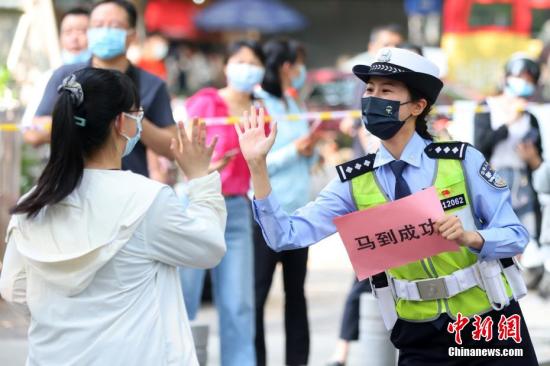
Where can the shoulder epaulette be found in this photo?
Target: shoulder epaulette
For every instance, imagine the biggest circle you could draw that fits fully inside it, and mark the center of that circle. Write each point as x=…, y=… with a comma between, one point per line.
x=355, y=168
x=447, y=150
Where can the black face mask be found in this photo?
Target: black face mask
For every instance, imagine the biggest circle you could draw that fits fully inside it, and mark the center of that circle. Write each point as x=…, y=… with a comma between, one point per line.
x=381, y=116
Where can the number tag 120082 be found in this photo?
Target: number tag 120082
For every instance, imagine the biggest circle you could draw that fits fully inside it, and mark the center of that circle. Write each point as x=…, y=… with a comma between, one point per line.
x=453, y=202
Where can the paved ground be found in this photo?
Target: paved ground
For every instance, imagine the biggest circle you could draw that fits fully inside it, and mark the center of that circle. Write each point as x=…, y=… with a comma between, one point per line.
x=328, y=281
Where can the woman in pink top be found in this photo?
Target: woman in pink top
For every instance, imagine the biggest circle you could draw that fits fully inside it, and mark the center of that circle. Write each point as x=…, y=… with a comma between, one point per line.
x=211, y=102
x=233, y=278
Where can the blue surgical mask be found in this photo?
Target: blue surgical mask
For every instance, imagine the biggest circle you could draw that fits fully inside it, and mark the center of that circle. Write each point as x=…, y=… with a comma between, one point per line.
x=69, y=58
x=244, y=77
x=299, y=81
x=107, y=43
x=519, y=87
x=381, y=116
x=132, y=141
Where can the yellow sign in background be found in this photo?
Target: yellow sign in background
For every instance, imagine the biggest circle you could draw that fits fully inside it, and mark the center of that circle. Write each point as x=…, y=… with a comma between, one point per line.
x=476, y=60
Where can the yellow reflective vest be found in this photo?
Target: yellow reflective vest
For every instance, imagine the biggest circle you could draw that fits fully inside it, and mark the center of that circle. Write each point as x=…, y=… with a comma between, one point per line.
x=449, y=181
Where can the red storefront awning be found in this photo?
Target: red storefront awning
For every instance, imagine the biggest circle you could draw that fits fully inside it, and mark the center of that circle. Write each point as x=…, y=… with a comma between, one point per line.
x=172, y=18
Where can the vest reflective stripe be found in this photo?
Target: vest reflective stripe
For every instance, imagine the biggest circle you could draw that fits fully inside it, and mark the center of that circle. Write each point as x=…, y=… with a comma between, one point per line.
x=449, y=181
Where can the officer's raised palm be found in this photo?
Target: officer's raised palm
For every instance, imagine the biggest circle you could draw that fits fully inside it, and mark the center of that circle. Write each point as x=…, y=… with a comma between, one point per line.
x=252, y=139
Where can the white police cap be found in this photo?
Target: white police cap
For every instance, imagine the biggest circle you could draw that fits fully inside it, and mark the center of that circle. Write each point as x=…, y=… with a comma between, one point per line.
x=416, y=71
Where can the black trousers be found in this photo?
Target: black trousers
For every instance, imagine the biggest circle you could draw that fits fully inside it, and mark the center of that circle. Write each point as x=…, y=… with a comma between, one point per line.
x=349, y=328
x=294, y=274
x=427, y=344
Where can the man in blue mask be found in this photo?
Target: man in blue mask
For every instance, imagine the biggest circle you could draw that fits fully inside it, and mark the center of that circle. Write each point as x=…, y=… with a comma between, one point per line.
x=73, y=42
x=111, y=31
x=72, y=36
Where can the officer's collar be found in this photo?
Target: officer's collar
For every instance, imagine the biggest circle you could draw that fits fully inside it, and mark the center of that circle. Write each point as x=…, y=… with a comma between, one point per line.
x=412, y=153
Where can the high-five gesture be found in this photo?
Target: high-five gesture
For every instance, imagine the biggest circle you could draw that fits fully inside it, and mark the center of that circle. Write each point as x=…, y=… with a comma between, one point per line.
x=192, y=154
x=255, y=145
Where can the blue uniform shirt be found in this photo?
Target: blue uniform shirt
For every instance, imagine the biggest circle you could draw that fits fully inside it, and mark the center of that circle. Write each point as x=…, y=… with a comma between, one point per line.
x=503, y=234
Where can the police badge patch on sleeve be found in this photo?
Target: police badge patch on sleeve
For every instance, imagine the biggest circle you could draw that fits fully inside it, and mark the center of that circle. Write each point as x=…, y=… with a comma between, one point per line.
x=491, y=176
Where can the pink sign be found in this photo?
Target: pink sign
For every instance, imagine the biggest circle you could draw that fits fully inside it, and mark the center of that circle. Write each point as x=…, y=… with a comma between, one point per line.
x=393, y=234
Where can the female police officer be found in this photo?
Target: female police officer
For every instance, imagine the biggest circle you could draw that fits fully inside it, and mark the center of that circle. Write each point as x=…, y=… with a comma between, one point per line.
x=425, y=296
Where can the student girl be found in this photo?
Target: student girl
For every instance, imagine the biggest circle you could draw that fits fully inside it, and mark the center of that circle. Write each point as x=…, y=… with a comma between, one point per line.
x=92, y=250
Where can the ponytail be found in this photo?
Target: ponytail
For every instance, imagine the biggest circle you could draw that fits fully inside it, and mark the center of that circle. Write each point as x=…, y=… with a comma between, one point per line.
x=64, y=169
x=421, y=126
x=272, y=80
x=277, y=52
x=81, y=123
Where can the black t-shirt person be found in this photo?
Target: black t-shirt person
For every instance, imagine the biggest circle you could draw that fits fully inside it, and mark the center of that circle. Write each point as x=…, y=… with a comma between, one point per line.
x=154, y=100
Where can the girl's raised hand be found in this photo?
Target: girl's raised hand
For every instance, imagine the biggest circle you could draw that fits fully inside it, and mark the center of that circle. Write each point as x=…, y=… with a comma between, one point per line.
x=191, y=153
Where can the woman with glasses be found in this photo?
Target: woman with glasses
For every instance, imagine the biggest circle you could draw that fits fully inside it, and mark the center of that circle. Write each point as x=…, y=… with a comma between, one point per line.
x=92, y=250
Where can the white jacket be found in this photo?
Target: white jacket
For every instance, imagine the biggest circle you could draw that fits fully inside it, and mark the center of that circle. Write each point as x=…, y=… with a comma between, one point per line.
x=541, y=183
x=98, y=275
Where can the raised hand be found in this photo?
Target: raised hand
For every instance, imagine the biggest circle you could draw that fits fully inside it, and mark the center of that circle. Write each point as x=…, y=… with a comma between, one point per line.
x=252, y=139
x=191, y=154
x=255, y=145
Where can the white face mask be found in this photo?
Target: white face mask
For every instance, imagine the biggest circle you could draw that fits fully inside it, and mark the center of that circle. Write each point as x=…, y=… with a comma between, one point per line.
x=244, y=77
x=70, y=58
x=132, y=141
x=160, y=51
